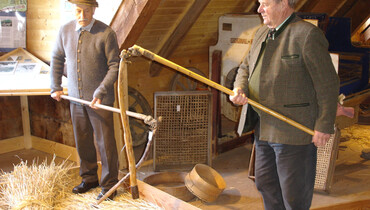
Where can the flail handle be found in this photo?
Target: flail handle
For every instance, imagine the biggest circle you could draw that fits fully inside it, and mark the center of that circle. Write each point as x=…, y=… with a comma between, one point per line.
x=126, y=128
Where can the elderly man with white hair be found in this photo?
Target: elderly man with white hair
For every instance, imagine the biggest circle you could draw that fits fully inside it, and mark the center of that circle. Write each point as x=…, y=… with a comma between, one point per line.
x=88, y=49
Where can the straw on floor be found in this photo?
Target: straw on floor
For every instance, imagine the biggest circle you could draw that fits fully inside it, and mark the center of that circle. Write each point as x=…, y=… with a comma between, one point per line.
x=48, y=186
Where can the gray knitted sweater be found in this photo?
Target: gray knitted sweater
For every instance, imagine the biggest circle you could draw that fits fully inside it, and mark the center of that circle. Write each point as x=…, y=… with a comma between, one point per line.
x=91, y=59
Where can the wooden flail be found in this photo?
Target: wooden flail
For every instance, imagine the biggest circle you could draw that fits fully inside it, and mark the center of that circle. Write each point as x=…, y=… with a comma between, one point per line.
x=136, y=50
x=331, y=145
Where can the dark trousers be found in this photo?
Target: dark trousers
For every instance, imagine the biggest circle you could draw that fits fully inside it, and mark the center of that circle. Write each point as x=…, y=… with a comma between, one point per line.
x=87, y=122
x=285, y=174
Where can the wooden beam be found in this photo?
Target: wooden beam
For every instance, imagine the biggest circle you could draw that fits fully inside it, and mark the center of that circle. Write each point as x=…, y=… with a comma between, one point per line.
x=216, y=103
x=131, y=19
x=354, y=205
x=179, y=33
x=337, y=8
x=343, y=9
x=358, y=12
x=308, y=6
x=300, y=4
x=55, y=148
x=161, y=198
x=250, y=6
x=12, y=144
x=26, y=122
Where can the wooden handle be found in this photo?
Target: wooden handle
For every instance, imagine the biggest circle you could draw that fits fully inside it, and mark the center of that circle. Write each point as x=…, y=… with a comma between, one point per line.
x=217, y=86
x=100, y=106
x=126, y=129
x=143, y=117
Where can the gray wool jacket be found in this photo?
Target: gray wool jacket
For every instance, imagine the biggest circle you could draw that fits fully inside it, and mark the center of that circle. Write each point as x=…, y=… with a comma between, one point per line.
x=91, y=60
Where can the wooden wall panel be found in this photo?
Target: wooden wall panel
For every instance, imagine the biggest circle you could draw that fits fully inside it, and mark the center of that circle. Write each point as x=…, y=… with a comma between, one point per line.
x=10, y=117
x=140, y=79
x=43, y=22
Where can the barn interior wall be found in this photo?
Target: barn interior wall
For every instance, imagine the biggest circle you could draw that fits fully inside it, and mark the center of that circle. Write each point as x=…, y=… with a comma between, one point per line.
x=10, y=117
x=43, y=22
x=140, y=79
x=51, y=120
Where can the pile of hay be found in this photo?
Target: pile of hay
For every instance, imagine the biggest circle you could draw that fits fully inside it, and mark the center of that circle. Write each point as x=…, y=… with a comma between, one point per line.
x=48, y=186
x=357, y=133
x=123, y=200
x=35, y=186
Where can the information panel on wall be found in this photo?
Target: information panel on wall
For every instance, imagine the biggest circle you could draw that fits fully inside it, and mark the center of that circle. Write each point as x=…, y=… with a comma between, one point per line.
x=12, y=31
x=13, y=24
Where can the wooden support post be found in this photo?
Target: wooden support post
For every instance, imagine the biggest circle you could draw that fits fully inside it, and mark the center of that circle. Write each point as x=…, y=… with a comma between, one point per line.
x=26, y=122
x=216, y=77
x=122, y=95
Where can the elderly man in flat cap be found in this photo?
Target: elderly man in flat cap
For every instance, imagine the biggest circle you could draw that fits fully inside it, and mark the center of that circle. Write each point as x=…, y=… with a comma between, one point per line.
x=89, y=50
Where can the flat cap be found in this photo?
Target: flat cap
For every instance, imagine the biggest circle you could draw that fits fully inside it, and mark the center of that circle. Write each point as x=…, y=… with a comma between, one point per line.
x=92, y=3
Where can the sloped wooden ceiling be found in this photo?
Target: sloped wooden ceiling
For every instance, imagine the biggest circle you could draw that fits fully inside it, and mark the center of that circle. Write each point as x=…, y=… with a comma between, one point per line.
x=131, y=19
x=181, y=28
x=178, y=33
x=176, y=18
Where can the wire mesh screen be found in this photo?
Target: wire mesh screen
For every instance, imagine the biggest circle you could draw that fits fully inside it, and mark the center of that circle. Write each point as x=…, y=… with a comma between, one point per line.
x=326, y=157
x=184, y=135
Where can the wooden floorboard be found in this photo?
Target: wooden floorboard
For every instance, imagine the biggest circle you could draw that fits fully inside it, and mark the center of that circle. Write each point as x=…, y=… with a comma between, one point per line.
x=353, y=205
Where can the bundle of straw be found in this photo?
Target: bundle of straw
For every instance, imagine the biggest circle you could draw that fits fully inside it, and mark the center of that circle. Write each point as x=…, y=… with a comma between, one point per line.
x=49, y=186
x=34, y=187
